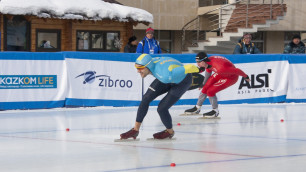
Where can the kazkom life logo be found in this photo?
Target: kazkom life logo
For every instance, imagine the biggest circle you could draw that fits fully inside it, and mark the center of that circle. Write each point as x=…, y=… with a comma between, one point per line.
x=259, y=84
x=28, y=81
x=104, y=80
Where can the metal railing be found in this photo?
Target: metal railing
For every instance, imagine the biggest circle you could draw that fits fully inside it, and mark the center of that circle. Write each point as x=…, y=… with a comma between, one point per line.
x=216, y=21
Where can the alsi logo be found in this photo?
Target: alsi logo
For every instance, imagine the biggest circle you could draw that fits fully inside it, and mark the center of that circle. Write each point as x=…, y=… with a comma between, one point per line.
x=104, y=80
x=259, y=83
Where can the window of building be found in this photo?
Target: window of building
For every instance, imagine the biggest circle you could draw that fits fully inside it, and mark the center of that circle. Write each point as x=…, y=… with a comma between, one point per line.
x=204, y=3
x=98, y=41
x=165, y=40
x=16, y=34
x=82, y=41
x=111, y=41
x=48, y=40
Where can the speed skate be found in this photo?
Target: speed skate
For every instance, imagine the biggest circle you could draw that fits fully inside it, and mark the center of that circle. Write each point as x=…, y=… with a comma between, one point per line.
x=126, y=140
x=190, y=114
x=209, y=117
x=166, y=139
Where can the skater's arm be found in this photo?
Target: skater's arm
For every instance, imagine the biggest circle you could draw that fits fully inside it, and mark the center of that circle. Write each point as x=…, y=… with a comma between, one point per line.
x=182, y=70
x=233, y=71
x=201, y=69
x=206, y=75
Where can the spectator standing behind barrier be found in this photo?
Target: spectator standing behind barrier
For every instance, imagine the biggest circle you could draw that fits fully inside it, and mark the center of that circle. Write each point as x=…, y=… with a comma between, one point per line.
x=296, y=46
x=149, y=45
x=131, y=46
x=245, y=46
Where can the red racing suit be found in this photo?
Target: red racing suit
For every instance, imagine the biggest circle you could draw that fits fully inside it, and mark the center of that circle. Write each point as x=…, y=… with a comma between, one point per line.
x=226, y=74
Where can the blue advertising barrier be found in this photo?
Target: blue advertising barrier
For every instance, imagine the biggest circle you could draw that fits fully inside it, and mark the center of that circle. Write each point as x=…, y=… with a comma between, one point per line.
x=32, y=80
x=25, y=63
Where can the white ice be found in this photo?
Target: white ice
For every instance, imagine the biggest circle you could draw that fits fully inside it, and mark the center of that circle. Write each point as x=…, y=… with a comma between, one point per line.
x=247, y=138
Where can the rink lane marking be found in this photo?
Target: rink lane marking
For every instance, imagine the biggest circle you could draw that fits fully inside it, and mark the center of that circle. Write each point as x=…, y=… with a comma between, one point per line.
x=243, y=136
x=208, y=162
x=167, y=166
x=136, y=146
x=184, y=132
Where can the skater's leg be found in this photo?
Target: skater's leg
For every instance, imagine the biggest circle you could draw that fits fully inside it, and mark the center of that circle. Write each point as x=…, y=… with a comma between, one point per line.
x=201, y=99
x=202, y=96
x=214, y=102
x=170, y=99
x=222, y=84
x=156, y=89
x=197, y=108
x=163, y=110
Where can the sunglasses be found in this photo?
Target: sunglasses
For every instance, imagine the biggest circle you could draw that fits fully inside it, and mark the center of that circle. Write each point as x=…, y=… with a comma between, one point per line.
x=140, y=67
x=199, y=61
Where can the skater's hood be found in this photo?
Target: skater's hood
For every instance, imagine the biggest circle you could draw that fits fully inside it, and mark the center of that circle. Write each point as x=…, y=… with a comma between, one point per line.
x=145, y=60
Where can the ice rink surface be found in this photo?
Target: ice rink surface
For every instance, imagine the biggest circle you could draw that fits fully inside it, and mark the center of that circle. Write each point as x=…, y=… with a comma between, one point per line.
x=247, y=138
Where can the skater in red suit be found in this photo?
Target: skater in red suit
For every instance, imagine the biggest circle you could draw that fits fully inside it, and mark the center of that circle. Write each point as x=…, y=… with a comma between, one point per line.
x=225, y=75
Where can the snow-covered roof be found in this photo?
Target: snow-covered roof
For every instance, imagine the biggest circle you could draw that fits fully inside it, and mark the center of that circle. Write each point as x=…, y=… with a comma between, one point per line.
x=75, y=9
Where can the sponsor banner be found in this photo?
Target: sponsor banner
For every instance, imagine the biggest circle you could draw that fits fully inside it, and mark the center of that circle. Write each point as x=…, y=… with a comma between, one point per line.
x=297, y=83
x=32, y=82
x=28, y=81
x=268, y=79
x=269, y=82
x=266, y=85
x=100, y=81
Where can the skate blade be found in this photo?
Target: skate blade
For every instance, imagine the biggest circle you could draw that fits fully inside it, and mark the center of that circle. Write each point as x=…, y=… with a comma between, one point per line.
x=205, y=117
x=167, y=139
x=190, y=114
x=126, y=140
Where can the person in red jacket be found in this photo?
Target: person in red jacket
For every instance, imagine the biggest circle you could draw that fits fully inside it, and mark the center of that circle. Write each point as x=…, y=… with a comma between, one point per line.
x=225, y=75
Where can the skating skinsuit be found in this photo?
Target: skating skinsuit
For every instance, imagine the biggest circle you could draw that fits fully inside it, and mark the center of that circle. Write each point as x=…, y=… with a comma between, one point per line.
x=226, y=74
x=171, y=79
x=168, y=70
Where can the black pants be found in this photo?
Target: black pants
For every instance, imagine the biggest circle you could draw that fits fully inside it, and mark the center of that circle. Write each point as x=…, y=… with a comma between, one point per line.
x=157, y=88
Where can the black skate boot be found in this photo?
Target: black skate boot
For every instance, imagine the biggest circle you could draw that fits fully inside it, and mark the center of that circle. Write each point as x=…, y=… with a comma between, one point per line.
x=129, y=134
x=163, y=135
x=213, y=113
x=193, y=110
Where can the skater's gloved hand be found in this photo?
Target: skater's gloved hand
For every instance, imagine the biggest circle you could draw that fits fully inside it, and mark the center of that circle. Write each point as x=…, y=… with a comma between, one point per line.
x=190, y=68
x=247, y=78
x=201, y=69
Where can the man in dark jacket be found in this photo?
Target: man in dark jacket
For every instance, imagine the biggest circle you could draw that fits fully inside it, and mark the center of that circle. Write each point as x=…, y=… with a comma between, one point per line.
x=149, y=45
x=131, y=46
x=296, y=46
x=245, y=46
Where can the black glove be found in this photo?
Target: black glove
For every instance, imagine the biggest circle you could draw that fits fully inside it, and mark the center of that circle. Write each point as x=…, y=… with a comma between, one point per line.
x=201, y=69
x=247, y=77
